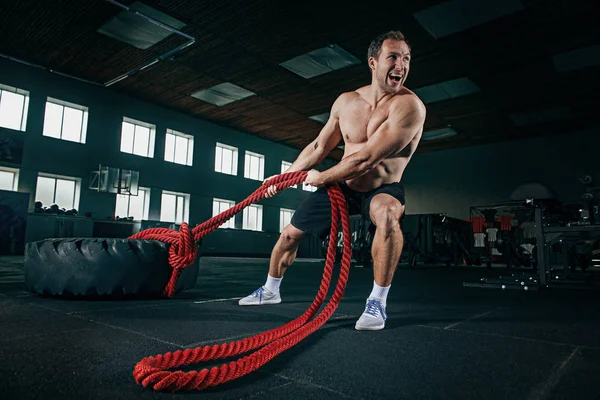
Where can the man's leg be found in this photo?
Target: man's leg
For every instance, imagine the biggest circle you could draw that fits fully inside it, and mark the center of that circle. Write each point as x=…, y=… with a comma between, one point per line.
x=282, y=256
x=385, y=212
x=284, y=252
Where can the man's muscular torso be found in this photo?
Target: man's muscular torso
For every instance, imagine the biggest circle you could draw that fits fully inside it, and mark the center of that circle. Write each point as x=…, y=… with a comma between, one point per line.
x=358, y=120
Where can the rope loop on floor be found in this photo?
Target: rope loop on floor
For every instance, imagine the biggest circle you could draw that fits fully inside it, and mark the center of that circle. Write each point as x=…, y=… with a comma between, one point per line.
x=153, y=372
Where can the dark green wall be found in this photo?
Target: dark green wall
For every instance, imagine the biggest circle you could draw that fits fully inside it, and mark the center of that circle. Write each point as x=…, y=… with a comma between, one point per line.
x=106, y=111
x=451, y=181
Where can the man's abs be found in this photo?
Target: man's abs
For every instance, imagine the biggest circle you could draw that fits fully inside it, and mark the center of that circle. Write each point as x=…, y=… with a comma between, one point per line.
x=388, y=171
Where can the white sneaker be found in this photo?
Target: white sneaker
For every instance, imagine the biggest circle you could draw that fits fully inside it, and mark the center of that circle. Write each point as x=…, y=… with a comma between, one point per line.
x=373, y=318
x=260, y=297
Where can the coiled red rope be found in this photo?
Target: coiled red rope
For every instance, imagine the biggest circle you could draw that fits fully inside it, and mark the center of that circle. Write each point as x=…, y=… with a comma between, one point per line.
x=153, y=371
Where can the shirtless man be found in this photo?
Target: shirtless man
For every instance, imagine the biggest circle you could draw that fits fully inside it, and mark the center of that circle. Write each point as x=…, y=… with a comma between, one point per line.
x=381, y=125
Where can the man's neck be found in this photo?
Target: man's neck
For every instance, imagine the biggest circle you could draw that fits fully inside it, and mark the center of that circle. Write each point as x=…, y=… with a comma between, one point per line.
x=377, y=95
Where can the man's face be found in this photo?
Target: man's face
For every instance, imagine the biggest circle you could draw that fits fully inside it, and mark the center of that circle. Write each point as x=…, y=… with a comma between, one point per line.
x=392, y=65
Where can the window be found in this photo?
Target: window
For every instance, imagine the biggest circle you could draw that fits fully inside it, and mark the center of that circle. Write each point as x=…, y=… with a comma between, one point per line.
x=284, y=167
x=285, y=217
x=60, y=190
x=253, y=218
x=174, y=207
x=308, y=188
x=65, y=121
x=179, y=147
x=220, y=206
x=137, y=138
x=134, y=206
x=226, y=159
x=9, y=178
x=14, y=104
x=254, y=166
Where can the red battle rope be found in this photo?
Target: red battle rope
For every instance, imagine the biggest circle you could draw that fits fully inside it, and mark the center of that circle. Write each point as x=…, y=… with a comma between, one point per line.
x=152, y=371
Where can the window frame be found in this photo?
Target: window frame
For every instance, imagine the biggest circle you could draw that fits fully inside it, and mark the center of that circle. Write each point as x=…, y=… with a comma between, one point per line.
x=76, y=189
x=259, y=219
x=146, y=206
x=189, y=150
x=234, y=158
x=66, y=104
x=231, y=203
x=185, y=197
x=15, y=179
x=151, y=138
x=261, y=165
x=24, y=108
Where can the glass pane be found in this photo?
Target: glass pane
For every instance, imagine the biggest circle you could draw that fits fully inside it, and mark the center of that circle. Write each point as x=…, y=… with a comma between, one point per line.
x=6, y=180
x=127, y=138
x=179, y=214
x=45, y=191
x=65, y=193
x=170, y=148
x=247, y=166
x=142, y=140
x=53, y=120
x=218, y=158
x=252, y=217
x=181, y=150
x=11, y=110
x=72, y=124
x=190, y=151
x=167, y=208
x=122, y=206
x=227, y=158
x=215, y=208
x=136, y=205
x=84, y=127
x=261, y=168
x=254, y=167
x=25, y=110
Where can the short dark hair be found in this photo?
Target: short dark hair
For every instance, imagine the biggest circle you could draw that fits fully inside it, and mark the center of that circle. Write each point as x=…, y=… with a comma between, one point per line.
x=375, y=46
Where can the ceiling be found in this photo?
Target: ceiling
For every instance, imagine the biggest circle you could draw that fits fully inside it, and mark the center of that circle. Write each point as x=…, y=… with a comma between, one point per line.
x=509, y=58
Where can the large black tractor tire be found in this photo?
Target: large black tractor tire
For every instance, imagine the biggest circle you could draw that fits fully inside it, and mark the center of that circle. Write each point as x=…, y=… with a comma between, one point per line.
x=101, y=267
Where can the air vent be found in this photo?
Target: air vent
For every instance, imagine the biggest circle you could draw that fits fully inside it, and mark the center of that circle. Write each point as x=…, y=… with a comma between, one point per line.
x=458, y=15
x=322, y=118
x=223, y=94
x=137, y=31
x=577, y=59
x=447, y=90
x=320, y=61
x=439, y=134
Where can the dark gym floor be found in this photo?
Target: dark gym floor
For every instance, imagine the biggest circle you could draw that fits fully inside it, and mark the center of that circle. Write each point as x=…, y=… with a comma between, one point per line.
x=442, y=340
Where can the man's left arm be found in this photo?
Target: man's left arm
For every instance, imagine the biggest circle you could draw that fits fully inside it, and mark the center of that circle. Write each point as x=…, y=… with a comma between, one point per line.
x=405, y=119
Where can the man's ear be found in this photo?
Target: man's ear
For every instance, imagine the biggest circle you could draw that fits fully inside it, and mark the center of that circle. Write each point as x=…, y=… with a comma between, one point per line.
x=372, y=63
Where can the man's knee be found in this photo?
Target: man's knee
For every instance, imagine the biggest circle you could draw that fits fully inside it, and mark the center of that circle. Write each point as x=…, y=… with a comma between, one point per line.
x=386, y=213
x=291, y=236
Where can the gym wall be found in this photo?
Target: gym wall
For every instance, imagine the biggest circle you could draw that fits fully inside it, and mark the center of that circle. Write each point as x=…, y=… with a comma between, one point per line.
x=451, y=181
x=106, y=112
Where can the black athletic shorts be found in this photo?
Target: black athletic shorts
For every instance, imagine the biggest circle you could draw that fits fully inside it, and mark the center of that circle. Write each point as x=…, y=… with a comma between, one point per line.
x=313, y=215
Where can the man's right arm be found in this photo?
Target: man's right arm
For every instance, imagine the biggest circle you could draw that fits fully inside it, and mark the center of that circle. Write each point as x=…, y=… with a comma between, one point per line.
x=328, y=138
x=318, y=149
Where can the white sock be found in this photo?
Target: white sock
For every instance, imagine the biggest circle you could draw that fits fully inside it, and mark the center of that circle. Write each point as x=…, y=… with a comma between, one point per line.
x=272, y=284
x=380, y=293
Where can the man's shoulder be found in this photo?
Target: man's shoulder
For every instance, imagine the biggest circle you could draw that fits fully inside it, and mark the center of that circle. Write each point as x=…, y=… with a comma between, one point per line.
x=407, y=98
x=349, y=96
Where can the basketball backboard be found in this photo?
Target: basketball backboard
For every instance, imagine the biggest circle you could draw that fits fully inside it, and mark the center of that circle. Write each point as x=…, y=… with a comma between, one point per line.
x=114, y=180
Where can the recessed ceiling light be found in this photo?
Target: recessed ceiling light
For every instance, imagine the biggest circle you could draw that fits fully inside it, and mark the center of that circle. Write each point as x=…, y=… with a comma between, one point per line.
x=320, y=61
x=223, y=94
x=137, y=31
